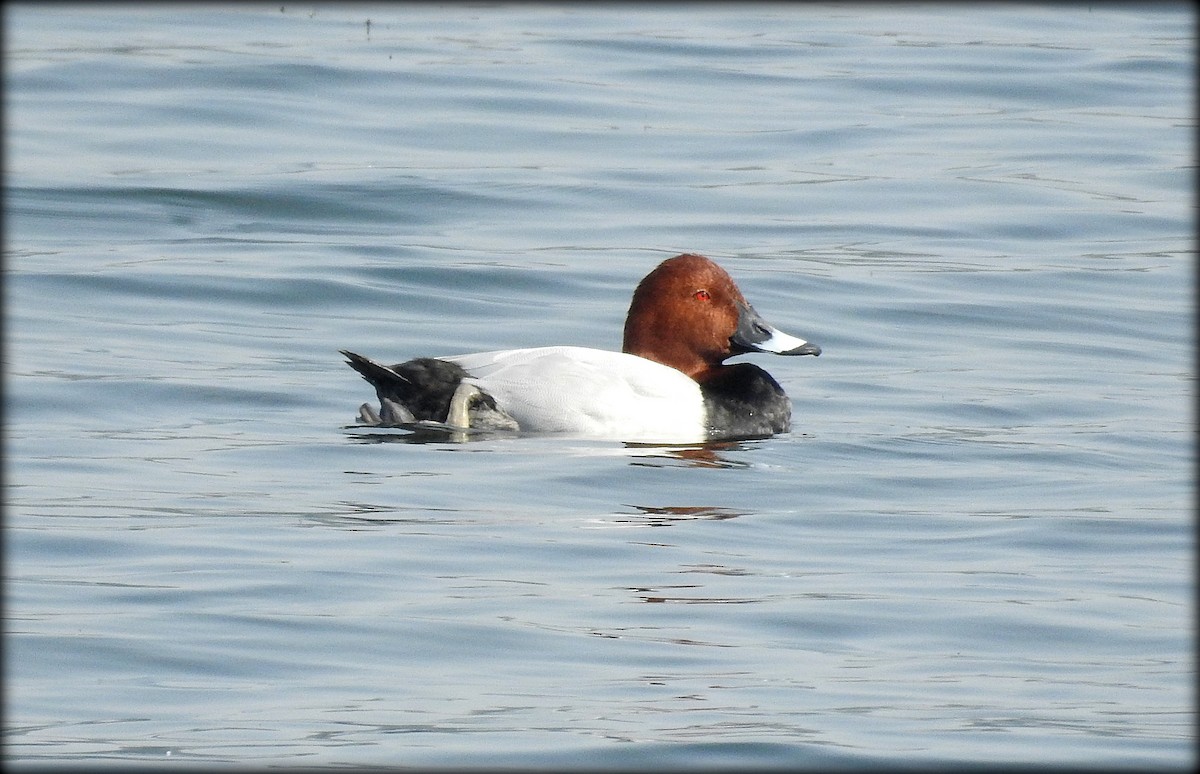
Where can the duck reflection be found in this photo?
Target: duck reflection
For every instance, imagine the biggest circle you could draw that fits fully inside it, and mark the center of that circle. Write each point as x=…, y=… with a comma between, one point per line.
x=669, y=515
x=704, y=455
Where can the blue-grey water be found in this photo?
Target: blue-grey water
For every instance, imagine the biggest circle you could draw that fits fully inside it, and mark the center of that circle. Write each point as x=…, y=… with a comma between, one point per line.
x=975, y=545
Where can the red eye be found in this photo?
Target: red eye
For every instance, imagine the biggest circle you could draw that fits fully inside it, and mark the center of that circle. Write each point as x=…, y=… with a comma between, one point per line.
x=702, y=295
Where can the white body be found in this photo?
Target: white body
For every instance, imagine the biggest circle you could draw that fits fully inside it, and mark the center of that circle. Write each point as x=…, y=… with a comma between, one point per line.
x=591, y=392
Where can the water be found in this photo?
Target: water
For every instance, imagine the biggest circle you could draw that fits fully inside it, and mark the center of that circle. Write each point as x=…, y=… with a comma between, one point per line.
x=974, y=546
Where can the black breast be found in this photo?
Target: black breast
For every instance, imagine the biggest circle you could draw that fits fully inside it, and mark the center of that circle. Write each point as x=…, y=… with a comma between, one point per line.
x=744, y=401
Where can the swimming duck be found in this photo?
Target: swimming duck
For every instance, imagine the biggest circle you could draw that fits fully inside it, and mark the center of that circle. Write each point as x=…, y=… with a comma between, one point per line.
x=669, y=384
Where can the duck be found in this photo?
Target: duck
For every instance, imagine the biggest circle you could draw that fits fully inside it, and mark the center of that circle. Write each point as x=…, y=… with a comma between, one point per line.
x=669, y=384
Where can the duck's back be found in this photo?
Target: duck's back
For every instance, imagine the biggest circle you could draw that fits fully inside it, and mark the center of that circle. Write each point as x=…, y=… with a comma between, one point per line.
x=592, y=392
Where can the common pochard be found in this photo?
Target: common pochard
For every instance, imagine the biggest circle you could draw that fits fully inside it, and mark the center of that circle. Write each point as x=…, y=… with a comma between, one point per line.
x=669, y=384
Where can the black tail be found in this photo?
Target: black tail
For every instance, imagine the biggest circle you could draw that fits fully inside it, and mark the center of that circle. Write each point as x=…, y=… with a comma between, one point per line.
x=424, y=385
x=378, y=375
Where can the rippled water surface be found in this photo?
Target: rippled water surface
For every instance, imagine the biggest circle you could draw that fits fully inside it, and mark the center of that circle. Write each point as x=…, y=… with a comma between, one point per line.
x=975, y=545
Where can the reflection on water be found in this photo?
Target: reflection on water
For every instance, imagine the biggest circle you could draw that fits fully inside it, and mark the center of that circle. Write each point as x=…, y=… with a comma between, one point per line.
x=666, y=515
x=418, y=433
x=678, y=595
x=702, y=456
x=705, y=455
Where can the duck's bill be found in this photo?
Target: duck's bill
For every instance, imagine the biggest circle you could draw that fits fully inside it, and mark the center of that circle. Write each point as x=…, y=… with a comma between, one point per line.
x=754, y=334
x=780, y=343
